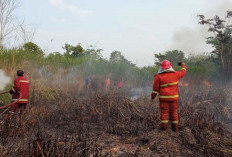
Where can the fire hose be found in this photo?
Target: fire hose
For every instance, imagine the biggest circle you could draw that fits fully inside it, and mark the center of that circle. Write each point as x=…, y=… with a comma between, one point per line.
x=12, y=103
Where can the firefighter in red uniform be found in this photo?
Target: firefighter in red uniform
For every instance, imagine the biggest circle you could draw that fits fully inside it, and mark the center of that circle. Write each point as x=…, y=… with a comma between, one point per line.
x=20, y=91
x=166, y=86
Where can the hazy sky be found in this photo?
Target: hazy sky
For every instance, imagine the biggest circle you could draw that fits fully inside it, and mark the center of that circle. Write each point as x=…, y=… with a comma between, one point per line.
x=137, y=28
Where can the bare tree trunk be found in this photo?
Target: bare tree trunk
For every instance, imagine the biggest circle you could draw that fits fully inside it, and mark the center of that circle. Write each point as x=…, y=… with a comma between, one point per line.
x=228, y=64
x=7, y=8
x=221, y=57
x=26, y=32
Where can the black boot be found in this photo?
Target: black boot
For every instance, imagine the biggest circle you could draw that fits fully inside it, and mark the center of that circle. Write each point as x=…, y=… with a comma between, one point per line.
x=175, y=127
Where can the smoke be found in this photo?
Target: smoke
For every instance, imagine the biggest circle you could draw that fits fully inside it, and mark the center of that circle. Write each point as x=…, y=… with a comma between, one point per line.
x=4, y=80
x=136, y=93
x=221, y=10
x=193, y=40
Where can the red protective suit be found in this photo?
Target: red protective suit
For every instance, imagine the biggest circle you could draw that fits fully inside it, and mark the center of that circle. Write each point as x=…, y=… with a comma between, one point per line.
x=166, y=85
x=120, y=84
x=21, y=86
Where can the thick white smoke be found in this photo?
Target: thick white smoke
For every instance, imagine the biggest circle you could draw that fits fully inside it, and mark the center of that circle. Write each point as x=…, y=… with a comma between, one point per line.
x=4, y=80
x=193, y=40
x=140, y=92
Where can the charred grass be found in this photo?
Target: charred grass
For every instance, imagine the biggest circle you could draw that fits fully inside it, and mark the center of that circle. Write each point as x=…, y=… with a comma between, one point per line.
x=110, y=124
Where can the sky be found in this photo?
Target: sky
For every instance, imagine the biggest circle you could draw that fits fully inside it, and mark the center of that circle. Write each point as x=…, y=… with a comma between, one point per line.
x=137, y=28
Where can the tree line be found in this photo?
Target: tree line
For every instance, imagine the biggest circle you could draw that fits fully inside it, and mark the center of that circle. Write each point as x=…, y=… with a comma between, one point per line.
x=221, y=40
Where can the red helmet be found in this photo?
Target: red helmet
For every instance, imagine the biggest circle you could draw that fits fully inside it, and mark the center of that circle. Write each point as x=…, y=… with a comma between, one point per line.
x=165, y=64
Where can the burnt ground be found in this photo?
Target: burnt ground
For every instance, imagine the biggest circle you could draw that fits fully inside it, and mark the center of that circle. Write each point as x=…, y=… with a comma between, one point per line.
x=113, y=125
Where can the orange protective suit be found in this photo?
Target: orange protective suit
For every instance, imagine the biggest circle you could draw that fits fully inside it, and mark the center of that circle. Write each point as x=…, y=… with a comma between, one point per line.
x=21, y=86
x=166, y=85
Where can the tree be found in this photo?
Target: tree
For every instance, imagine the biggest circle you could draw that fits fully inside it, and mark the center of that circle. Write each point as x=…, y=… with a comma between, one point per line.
x=173, y=56
x=74, y=51
x=7, y=8
x=117, y=57
x=221, y=40
x=68, y=49
x=77, y=51
x=26, y=32
x=93, y=53
x=33, y=48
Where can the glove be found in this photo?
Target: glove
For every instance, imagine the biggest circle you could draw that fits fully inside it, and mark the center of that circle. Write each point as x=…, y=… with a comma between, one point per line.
x=153, y=96
x=12, y=92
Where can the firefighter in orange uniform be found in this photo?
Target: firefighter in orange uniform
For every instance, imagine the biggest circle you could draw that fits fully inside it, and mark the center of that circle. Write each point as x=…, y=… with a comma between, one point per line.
x=166, y=86
x=20, y=89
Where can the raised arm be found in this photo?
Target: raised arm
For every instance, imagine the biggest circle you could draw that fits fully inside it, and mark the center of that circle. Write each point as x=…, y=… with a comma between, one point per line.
x=182, y=73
